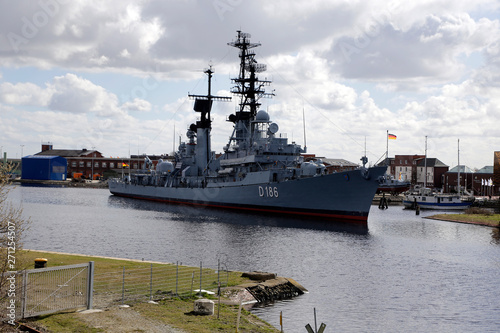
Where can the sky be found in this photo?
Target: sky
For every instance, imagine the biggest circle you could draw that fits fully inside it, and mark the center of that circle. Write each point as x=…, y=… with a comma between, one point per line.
x=114, y=75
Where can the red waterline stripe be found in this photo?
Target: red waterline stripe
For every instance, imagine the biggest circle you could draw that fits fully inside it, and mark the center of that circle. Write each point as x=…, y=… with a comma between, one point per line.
x=350, y=218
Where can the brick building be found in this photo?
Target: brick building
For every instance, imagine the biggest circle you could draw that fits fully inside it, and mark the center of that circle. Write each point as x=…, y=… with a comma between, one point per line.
x=473, y=182
x=91, y=164
x=435, y=170
x=496, y=168
x=405, y=167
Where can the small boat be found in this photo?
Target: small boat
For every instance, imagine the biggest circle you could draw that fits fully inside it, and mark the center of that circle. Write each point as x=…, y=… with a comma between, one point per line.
x=388, y=184
x=425, y=198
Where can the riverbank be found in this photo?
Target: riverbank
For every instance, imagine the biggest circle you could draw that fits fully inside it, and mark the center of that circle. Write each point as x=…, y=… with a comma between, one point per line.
x=166, y=314
x=63, y=183
x=488, y=220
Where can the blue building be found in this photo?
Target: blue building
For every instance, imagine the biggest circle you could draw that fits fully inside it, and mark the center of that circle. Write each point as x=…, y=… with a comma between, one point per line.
x=43, y=167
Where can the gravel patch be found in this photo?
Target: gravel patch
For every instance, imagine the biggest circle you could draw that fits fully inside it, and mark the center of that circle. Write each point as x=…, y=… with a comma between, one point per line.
x=121, y=319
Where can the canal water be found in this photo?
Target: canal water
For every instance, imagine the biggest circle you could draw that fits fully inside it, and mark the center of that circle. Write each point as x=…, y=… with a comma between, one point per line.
x=404, y=274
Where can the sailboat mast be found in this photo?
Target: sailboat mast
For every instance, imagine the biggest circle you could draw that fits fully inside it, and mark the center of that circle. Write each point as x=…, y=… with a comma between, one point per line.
x=304, y=124
x=458, y=177
x=425, y=163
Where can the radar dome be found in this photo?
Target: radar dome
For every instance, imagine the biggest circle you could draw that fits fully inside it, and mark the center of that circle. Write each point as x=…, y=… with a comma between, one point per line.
x=165, y=166
x=262, y=116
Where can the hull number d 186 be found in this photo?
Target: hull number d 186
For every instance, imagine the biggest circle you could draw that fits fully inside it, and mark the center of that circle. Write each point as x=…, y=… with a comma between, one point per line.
x=268, y=191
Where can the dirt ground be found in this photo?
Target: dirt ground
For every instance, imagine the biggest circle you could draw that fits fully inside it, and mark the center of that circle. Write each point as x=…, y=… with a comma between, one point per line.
x=115, y=319
x=123, y=319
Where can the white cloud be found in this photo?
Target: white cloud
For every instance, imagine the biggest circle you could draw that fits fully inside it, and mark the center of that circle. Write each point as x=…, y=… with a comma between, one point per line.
x=427, y=53
x=358, y=68
x=77, y=95
x=23, y=94
x=137, y=105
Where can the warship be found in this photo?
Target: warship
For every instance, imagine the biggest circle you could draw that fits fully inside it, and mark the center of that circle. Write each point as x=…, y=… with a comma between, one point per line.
x=259, y=170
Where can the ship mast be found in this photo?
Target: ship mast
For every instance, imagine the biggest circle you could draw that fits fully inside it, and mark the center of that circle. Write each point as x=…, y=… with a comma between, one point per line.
x=248, y=86
x=203, y=104
x=458, y=177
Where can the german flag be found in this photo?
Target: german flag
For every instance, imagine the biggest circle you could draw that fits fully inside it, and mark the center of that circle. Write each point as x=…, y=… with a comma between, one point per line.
x=391, y=136
x=124, y=165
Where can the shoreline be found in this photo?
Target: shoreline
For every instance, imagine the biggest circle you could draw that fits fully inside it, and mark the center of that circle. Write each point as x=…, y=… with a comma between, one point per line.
x=173, y=313
x=62, y=183
x=465, y=219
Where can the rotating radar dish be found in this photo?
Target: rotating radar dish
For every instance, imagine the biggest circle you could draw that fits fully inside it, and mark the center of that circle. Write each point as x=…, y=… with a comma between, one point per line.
x=273, y=128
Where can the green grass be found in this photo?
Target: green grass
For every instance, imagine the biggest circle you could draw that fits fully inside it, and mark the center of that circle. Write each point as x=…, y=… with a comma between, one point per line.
x=62, y=323
x=492, y=220
x=178, y=312
x=104, y=266
x=174, y=311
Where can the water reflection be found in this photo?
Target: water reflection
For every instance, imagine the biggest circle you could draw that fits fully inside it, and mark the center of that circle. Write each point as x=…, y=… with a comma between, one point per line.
x=198, y=214
x=406, y=273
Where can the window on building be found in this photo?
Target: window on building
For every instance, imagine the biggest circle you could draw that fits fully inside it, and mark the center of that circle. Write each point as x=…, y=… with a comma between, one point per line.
x=104, y=164
x=135, y=165
x=96, y=164
x=111, y=165
x=89, y=164
x=73, y=164
x=81, y=164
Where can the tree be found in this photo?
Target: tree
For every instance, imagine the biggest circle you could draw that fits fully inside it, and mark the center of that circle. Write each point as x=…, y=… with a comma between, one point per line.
x=12, y=227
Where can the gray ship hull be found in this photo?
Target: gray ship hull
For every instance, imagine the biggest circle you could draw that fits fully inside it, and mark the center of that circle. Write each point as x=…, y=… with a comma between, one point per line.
x=344, y=196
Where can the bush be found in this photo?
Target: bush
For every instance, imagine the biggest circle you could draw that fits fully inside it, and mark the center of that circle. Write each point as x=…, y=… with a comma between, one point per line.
x=12, y=227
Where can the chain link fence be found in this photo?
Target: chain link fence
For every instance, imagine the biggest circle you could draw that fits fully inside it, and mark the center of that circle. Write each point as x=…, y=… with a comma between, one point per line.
x=156, y=282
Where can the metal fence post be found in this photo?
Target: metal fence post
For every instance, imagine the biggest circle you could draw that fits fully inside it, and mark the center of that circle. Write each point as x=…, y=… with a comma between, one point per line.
x=192, y=282
x=24, y=293
x=123, y=286
x=151, y=284
x=90, y=285
x=176, y=278
x=201, y=272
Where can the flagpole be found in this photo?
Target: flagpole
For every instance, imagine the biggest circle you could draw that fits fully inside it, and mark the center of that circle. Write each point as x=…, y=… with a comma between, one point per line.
x=387, y=148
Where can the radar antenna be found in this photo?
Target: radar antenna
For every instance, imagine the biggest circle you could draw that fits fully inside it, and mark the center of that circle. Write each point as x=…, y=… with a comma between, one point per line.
x=203, y=103
x=247, y=83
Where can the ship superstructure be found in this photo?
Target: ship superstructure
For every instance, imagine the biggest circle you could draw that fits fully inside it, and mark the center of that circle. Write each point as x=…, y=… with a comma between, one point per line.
x=259, y=169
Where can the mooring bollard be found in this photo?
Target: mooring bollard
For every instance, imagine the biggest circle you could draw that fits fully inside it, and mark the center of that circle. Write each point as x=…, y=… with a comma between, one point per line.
x=40, y=263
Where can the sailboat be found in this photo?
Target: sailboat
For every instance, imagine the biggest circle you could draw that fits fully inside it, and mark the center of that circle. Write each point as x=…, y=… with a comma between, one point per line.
x=425, y=198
